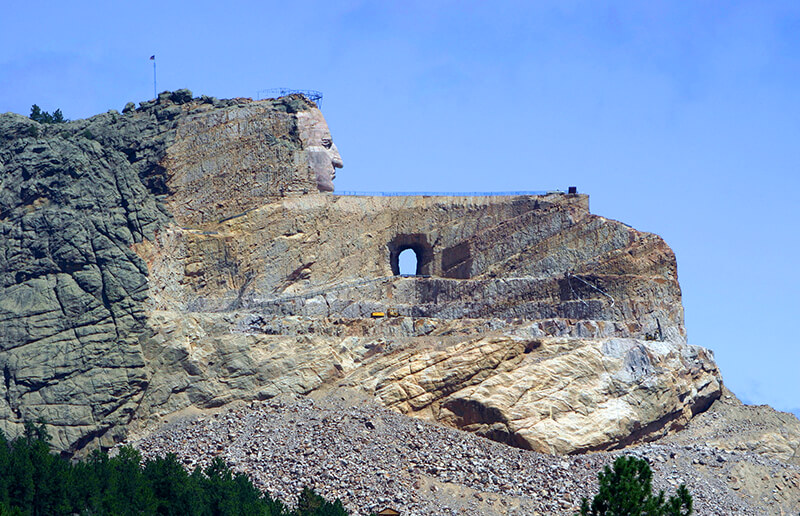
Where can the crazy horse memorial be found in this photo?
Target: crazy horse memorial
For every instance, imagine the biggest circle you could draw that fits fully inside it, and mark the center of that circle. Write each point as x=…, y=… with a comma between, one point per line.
x=192, y=254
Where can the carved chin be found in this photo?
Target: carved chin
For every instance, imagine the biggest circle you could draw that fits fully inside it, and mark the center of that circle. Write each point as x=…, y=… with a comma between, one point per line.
x=324, y=182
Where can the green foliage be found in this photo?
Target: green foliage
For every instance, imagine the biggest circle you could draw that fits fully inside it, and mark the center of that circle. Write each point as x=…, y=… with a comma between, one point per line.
x=44, y=117
x=627, y=491
x=35, y=482
x=36, y=114
x=310, y=503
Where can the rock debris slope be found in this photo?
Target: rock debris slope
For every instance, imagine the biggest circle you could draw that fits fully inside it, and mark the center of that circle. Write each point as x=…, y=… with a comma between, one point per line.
x=372, y=458
x=188, y=253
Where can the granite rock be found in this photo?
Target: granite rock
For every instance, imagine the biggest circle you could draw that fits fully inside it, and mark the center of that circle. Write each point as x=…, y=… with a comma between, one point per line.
x=75, y=199
x=189, y=254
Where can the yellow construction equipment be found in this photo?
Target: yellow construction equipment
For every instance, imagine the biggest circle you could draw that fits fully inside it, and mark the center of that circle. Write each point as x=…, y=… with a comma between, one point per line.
x=391, y=312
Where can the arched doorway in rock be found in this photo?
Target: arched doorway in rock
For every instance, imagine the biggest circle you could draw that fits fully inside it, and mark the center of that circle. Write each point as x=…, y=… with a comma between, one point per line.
x=417, y=244
x=407, y=262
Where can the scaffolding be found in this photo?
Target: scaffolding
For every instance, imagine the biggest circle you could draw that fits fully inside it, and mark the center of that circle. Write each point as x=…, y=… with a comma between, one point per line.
x=273, y=93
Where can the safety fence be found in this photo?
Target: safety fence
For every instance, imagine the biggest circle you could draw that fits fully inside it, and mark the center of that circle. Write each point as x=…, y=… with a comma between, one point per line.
x=273, y=93
x=443, y=194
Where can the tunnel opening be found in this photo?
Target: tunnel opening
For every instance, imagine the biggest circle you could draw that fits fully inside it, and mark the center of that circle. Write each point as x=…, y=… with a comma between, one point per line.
x=408, y=262
x=417, y=255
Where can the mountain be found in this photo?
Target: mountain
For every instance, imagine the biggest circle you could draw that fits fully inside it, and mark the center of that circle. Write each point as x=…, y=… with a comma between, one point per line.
x=191, y=254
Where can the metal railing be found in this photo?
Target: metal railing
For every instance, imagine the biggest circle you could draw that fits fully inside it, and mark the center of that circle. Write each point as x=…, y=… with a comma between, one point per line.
x=312, y=95
x=444, y=194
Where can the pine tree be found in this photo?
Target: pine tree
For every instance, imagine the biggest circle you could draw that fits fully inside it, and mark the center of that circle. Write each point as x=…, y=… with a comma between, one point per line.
x=43, y=117
x=5, y=465
x=21, y=489
x=627, y=490
x=128, y=493
x=310, y=503
x=50, y=472
x=36, y=113
x=36, y=482
x=219, y=488
x=171, y=486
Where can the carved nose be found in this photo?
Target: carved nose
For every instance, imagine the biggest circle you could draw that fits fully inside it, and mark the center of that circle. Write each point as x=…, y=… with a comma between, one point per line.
x=336, y=158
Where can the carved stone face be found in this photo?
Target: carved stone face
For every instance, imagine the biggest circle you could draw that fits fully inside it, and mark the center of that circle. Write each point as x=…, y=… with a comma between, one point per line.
x=323, y=156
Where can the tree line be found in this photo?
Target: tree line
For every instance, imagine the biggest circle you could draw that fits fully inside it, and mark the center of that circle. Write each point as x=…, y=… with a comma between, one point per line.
x=44, y=117
x=36, y=482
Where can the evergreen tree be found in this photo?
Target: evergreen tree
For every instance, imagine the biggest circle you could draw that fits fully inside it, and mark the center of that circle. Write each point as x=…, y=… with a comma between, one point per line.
x=34, y=482
x=43, y=117
x=248, y=498
x=36, y=113
x=309, y=503
x=197, y=483
x=626, y=490
x=5, y=466
x=21, y=489
x=681, y=504
x=219, y=488
x=171, y=486
x=50, y=472
x=97, y=484
x=274, y=507
x=127, y=491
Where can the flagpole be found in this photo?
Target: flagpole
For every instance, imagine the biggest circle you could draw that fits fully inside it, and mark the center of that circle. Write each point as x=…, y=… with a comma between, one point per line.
x=155, y=94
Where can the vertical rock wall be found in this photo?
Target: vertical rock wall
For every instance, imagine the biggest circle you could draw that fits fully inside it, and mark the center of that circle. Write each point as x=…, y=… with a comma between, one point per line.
x=72, y=291
x=74, y=200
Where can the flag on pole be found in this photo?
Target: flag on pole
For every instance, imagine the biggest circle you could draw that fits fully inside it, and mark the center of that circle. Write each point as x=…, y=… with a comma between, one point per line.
x=153, y=59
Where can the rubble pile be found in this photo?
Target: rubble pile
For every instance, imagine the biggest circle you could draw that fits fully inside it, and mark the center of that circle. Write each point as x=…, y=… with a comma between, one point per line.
x=372, y=458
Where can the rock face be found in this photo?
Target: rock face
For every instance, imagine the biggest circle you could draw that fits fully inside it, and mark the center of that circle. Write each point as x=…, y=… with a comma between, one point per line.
x=189, y=254
x=552, y=395
x=74, y=198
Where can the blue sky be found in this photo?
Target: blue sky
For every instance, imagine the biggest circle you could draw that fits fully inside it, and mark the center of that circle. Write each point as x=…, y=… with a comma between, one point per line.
x=680, y=118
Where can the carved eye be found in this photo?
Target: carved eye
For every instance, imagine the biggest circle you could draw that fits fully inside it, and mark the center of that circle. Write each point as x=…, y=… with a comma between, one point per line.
x=326, y=142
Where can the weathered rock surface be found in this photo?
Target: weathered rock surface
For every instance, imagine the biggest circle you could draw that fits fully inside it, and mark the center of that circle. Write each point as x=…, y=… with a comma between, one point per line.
x=551, y=395
x=181, y=255
x=74, y=198
x=72, y=292
x=371, y=458
x=735, y=427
